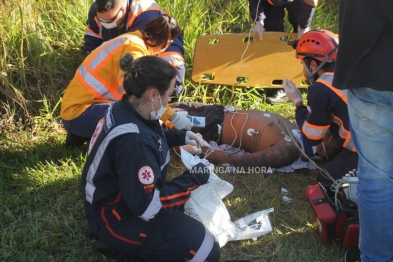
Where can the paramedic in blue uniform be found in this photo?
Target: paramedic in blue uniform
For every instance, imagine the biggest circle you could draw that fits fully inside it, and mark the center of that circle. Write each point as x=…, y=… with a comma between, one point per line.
x=327, y=108
x=129, y=203
x=108, y=19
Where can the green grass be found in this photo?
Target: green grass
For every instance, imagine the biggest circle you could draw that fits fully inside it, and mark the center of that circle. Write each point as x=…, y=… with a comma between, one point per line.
x=42, y=217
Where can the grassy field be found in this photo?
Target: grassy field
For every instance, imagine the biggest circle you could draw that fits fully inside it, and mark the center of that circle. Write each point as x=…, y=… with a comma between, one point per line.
x=42, y=217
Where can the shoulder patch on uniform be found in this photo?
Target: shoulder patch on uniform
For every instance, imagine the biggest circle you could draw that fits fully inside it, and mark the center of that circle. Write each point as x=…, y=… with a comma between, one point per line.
x=146, y=175
x=109, y=119
x=96, y=134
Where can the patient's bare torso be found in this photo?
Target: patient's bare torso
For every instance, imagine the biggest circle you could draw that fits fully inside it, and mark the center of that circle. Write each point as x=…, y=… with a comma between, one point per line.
x=255, y=130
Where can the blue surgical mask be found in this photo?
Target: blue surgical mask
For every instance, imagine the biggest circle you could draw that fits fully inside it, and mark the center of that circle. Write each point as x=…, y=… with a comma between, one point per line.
x=160, y=112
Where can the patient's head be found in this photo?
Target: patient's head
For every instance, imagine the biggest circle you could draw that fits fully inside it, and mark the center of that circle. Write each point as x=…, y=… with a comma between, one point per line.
x=328, y=148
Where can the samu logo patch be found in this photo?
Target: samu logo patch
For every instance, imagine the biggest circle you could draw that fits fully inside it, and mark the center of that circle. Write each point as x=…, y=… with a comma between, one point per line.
x=97, y=132
x=146, y=175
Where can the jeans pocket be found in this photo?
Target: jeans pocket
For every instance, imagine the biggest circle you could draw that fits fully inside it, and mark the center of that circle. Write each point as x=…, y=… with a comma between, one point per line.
x=364, y=115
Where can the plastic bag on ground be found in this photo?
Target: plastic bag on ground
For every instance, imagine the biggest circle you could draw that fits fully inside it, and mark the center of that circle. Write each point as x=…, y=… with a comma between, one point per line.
x=253, y=225
x=206, y=203
x=206, y=206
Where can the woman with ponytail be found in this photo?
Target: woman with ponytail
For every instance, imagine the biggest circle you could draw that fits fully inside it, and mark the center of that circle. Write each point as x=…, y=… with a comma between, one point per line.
x=129, y=204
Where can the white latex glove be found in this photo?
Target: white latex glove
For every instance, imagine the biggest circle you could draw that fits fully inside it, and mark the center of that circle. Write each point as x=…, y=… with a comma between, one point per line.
x=292, y=92
x=181, y=121
x=193, y=139
x=197, y=150
x=258, y=27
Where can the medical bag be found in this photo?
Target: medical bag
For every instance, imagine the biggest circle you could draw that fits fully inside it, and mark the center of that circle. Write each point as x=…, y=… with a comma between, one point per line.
x=334, y=217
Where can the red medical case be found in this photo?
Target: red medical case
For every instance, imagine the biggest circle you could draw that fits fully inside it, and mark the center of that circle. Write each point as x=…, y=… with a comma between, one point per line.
x=350, y=235
x=331, y=223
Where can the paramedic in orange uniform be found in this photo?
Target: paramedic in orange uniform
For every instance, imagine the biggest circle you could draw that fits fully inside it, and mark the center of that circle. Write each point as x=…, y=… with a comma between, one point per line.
x=98, y=83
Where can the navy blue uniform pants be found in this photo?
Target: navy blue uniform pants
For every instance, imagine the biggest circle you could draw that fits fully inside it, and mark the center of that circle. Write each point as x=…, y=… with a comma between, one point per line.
x=299, y=13
x=85, y=124
x=172, y=237
x=344, y=162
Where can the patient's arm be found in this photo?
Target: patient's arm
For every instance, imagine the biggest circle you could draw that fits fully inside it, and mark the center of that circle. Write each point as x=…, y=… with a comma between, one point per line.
x=275, y=157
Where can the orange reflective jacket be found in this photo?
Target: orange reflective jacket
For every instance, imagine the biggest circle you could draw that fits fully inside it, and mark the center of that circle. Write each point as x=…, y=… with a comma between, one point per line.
x=99, y=78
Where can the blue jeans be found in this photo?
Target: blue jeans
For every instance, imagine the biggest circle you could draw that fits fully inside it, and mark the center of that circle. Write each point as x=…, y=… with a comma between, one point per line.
x=371, y=116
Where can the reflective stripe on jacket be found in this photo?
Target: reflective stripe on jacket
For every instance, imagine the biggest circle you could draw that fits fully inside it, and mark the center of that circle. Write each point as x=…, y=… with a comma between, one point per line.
x=139, y=6
x=343, y=130
x=99, y=78
x=137, y=180
x=174, y=58
x=328, y=110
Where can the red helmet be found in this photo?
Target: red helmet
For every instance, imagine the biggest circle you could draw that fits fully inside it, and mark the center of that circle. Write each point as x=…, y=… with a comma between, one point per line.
x=318, y=44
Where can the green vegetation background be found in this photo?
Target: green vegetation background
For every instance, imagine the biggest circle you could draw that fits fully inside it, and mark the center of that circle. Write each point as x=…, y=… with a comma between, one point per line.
x=41, y=211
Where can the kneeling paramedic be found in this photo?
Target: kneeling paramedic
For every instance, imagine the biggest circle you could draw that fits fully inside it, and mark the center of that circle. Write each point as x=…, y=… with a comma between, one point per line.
x=129, y=204
x=98, y=83
x=327, y=106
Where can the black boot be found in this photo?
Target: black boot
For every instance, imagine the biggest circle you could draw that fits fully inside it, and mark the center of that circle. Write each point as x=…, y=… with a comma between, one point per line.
x=74, y=141
x=352, y=255
x=105, y=249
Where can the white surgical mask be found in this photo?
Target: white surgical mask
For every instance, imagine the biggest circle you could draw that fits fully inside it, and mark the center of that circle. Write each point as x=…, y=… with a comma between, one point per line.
x=110, y=25
x=161, y=111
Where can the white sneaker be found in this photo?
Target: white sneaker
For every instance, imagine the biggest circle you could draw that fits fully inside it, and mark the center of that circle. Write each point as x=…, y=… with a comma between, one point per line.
x=279, y=97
